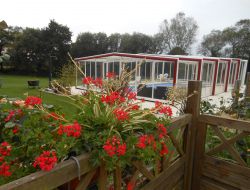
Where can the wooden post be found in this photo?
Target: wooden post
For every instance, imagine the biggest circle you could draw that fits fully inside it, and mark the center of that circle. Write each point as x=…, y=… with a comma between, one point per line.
x=248, y=86
x=102, y=181
x=193, y=107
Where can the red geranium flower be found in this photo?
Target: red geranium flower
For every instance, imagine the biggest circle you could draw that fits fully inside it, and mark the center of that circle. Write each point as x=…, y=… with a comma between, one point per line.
x=164, y=149
x=132, y=96
x=98, y=82
x=162, y=130
x=46, y=161
x=5, y=149
x=120, y=114
x=5, y=170
x=110, y=75
x=10, y=116
x=87, y=80
x=73, y=130
x=166, y=110
x=114, y=146
x=33, y=100
x=15, y=130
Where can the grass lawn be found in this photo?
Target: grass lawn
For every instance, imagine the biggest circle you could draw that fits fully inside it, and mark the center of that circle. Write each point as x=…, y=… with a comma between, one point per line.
x=16, y=86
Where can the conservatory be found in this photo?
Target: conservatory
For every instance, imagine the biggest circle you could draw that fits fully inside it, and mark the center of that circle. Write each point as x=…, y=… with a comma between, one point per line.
x=154, y=74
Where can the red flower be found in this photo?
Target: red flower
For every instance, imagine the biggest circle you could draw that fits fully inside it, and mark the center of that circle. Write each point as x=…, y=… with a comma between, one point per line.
x=162, y=130
x=166, y=110
x=132, y=96
x=113, y=146
x=158, y=104
x=145, y=140
x=5, y=149
x=142, y=142
x=142, y=100
x=164, y=149
x=134, y=107
x=120, y=114
x=121, y=150
x=71, y=130
x=32, y=100
x=5, y=170
x=110, y=75
x=15, y=130
x=46, y=161
x=87, y=80
x=98, y=82
x=110, y=99
x=131, y=185
x=10, y=116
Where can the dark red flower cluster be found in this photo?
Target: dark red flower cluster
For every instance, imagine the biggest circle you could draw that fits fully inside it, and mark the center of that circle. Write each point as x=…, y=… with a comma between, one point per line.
x=164, y=149
x=12, y=114
x=5, y=170
x=33, y=100
x=73, y=130
x=120, y=114
x=146, y=140
x=112, y=98
x=5, y=150
x=158, y=104
x=163, y=109
x=162, y=130
x=131, y=185
x=133, y=107
x=46, y=161
x=98, y=82
x=87, y=80
x=15, y=130
x=132, y=96
x=110, y=75
x=114, y=146
x=166, y=110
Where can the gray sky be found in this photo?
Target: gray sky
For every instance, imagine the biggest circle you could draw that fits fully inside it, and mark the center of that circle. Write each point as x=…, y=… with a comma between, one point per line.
x=122, y=16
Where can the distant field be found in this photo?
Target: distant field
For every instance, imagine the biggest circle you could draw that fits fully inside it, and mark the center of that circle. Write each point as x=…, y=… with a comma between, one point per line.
x=16, y=86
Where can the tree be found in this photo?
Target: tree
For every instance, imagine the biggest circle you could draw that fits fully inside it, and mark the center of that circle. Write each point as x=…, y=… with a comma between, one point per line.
x=237, y=39
x=212, y=44
x=33, y=49
x=179, y=32
x=57, y=44
x=136, y=43
x=114, y=42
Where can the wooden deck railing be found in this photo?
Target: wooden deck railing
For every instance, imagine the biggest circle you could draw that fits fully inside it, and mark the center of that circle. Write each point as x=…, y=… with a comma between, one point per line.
x=190, y=166
x=171, y=174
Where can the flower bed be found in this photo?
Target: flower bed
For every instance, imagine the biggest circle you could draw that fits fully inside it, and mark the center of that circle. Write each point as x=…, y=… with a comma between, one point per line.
x=109, y=125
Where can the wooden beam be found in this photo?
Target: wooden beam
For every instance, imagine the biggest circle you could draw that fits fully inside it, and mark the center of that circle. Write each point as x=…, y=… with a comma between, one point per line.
x=83, y=184
x=62, y=173
x=234, y=153
x=168, y=176
x=226, y=122
x=222, y=146
x=225, y=172
x=193, y=107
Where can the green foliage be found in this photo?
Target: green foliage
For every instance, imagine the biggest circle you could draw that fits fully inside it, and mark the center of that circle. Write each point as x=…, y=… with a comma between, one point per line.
x=67, y=75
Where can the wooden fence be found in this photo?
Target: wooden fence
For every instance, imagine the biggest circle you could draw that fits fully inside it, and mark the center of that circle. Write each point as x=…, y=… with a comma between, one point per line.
x=193, y=163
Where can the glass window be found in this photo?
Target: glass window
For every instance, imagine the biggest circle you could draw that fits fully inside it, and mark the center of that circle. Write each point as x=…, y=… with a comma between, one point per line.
x=88, y=69
x=182, y=71
x=99, y=66
x=93, y=69
x=116, y=67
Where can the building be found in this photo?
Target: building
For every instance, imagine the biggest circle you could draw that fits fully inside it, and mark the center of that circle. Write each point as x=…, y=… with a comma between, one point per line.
x=158, y=72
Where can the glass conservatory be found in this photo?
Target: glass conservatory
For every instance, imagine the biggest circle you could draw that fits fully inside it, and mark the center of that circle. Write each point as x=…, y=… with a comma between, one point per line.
x=156, y=73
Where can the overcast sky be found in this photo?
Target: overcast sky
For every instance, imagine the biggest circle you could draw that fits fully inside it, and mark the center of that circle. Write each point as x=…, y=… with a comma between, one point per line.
x=122, y=16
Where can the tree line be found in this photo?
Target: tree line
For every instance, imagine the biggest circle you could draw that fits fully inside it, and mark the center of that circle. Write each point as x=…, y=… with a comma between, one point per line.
x=33, y=50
